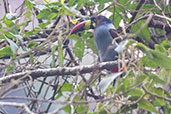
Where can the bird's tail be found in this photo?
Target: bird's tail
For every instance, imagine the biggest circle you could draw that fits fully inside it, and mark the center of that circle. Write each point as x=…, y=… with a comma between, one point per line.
x=115, y=71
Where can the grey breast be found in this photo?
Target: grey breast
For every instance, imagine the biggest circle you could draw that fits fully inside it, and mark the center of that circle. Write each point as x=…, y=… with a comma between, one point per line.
x=104, y=44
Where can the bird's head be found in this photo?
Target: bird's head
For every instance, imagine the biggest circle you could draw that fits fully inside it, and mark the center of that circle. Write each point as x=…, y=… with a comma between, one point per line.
x=90, y=24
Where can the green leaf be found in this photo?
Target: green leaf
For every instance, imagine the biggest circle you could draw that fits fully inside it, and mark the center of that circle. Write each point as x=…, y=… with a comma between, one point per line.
x=81, y=109
x=89, y=3
x=123, y=1
x=161, y=59
x=9, y=35
x=117, y=20
x=159, y=102
x=157, y=91
x=159, y=48
x=156, y=79
x=168, y=109
x=104, y=84
x=53, y=63
x=105, y=1
x=29, y=33
x=165, y=74
x=1, y=37
x=148, y=62
x=119, y=9
x=20, y=39
x=165, y=44
x=31, y=58
x=101, y=6
x=144, y=104
x=125, y=84
x=59, y=95
x=80, y=4
x=136, y=92
x=74, y=37
x=131, y=41
x=79, y=49
x=86, y=34
x=32, y=44
x=67, y=87
x=127, y=108
x=13, y=45
x=5, y=51
x=29, y=5
x=43, y=25
x=9, y=23
x=90, y=44
x=9, y=68
x=132, y=6
x=71, y=2
x=102, y=112
x=148, y=7
x=28, y=15
x=144, y=49
x=44, y=14
x=128, y=82
x=144, y=33
x=61, y=56
x=52, y=16
x=140, y=79
x=68, y=109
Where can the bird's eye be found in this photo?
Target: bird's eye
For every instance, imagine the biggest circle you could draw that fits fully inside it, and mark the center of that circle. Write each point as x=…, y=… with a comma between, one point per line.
x=93, y=22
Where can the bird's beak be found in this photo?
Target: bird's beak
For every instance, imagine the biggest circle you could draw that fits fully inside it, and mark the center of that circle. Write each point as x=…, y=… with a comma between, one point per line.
x=85, y=25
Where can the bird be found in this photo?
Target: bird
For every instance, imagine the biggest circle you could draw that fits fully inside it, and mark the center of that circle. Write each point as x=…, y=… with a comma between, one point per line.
x=104, y=37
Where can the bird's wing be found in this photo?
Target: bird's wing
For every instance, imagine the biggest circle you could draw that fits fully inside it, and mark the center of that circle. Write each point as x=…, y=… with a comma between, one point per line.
x=113, y=33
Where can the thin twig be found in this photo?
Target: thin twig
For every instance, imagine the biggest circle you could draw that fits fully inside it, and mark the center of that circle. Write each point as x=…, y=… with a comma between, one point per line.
x=17, y=105
x=154, y=95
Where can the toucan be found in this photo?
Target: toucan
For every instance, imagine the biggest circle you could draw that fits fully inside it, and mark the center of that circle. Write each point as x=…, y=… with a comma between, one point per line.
x=104, y=36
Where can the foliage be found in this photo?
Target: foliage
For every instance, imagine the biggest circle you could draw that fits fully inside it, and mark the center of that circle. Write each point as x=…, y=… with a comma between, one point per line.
x=146, y=83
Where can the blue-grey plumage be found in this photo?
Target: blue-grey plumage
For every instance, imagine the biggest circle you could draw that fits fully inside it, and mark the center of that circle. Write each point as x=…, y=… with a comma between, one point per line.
x=103, y=40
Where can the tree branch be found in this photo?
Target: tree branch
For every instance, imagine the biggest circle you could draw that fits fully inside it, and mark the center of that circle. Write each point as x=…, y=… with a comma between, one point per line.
x=6, y=6
x=137, y=10
x=17, y=105
x=60, y=71
x=159, y=24
x=155, y=23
